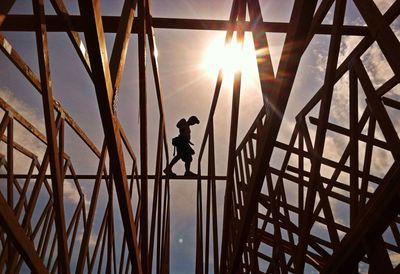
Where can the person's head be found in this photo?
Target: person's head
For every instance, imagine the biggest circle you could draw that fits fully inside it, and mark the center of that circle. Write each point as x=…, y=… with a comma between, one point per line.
x=193, y=120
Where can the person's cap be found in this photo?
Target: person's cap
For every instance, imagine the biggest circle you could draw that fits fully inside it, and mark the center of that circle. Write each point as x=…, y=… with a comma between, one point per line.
x=194, y=119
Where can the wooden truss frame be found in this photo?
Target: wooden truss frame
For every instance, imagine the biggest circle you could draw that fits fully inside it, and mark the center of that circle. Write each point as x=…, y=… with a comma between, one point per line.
x=263, y=230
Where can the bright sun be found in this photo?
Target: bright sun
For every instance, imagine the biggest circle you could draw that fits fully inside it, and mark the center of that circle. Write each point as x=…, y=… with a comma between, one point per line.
x=231, y=57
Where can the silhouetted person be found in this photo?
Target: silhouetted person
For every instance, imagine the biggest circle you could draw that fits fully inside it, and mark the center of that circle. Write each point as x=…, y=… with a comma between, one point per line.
x=182, y=144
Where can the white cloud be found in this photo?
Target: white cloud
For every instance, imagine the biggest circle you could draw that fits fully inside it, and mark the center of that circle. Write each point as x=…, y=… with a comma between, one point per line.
x=27, y=111
x=379, y=71
x=71, y=193
x=21, y=135
x=30, y=142
x=92, y=240
x=376, y=65
x=384, y=5
x=394, y=258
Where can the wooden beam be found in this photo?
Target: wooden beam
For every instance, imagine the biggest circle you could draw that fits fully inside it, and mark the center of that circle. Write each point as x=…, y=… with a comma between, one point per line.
x=381, y=31
x=144, y=220
x=120, y=48
x=5, y=7
x=62, y=11
x=390, y=15
x=92, y=210
x=19, y=239
x=130, y=177
x=51, y=133
x=56, y=24
x=95, y=40
x=315, y=184
x=373, y=220
x=298, y=29
x=23, y=67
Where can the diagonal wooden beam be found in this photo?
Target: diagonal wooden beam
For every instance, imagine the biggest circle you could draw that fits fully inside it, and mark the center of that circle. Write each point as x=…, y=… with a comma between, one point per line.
x=154, y=62
x=217, y=90
x=378, y=110
x=381, y=31
x=228, y=38
x=120, y=48
x=319, y=16
x=27, y=72
x=4, y=123
x=51, y=132
x=94, y=35
x=390, y=15
x=391, y=103
x=261, y=48
x=298, y=29
x=62, y=11
x=375, y=217
x=19, y=239
x=24, y=122
x=378, y=257
x=306, y=219
x=92, y=209
x=5, y=7
x=383, y=207
x=228, y=230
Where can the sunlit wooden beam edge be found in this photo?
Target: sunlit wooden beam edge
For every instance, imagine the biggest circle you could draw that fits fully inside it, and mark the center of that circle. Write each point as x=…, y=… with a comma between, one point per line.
x=62, y=11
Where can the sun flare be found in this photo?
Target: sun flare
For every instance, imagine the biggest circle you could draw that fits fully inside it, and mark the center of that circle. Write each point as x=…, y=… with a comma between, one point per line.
x=231, y=57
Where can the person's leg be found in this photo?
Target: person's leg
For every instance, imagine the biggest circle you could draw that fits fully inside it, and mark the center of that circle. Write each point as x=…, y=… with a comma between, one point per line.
x=174, y=161
x=187, y=168
x=168, y=169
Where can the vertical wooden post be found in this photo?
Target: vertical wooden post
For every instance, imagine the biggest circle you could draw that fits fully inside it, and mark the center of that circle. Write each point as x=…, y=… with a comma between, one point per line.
x=143, y=135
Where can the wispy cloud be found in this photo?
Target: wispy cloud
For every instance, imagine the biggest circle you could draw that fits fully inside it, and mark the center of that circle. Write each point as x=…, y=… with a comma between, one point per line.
x=92, y=240
x=379, y=72
x=30, y=142
x=394, y=258
x=71, y=192
x=21, y=135
x=384, y=5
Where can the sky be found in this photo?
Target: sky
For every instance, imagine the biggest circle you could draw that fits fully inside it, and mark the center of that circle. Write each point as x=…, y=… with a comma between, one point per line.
x=187, y=81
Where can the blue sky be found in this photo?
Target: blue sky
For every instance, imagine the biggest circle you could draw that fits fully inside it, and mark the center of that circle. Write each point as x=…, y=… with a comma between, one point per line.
x=187, y=87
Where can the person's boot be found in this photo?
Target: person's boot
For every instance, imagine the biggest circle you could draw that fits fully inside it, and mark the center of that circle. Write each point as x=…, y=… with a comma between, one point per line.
x=189, y=173
x=168, y=171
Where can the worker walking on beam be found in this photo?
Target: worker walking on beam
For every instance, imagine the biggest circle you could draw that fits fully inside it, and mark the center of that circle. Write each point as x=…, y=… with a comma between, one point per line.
x=183, y=147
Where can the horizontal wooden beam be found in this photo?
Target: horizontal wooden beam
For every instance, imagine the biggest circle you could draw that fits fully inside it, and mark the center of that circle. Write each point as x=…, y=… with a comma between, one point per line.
x=346, y=133
x=110, y=23
x=93, y=176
